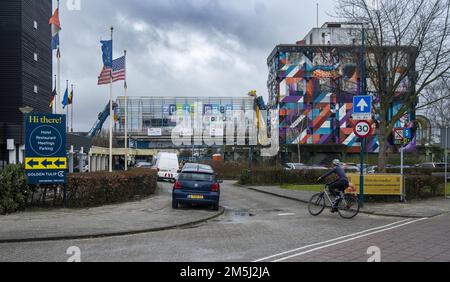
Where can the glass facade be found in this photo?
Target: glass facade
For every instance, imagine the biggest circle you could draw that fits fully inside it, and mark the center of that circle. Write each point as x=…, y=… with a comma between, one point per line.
x=154, y=115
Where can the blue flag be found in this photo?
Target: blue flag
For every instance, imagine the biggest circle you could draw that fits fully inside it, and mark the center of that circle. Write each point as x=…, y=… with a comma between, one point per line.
x=55, y=42
x=107, y=49
x=65, y=101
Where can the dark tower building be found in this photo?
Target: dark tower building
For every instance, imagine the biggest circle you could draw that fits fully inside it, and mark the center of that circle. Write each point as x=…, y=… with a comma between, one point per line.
x=25, y=69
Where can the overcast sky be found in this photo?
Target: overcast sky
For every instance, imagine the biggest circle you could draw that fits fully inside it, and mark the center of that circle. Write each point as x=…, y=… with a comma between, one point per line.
x=178, y=47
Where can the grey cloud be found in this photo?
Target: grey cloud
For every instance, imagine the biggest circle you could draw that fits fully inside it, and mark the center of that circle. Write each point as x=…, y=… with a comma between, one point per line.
x=178, y=47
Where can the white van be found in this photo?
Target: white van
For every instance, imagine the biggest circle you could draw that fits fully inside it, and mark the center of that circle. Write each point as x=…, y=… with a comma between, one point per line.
x=167, y=166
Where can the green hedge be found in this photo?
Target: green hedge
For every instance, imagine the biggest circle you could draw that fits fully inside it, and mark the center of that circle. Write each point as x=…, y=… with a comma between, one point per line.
x=83, y=189
x=228, y=170
x=13, y=189
x=270, y=176
x=101, y=188
x=416, y=171
x=423, y=186
x=417, y=186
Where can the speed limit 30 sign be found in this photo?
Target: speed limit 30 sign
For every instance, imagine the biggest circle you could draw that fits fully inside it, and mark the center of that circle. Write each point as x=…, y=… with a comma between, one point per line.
x=362, y=129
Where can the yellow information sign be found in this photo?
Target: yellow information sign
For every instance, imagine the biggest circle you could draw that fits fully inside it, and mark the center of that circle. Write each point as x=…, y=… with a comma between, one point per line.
x=45, y=163
x=378, y=184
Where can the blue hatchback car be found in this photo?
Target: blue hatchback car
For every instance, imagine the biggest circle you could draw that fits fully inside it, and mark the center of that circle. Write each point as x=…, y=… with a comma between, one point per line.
x=196, y=184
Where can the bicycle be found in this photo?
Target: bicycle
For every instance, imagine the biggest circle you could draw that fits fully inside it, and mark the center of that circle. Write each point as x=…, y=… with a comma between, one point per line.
x=348, y=206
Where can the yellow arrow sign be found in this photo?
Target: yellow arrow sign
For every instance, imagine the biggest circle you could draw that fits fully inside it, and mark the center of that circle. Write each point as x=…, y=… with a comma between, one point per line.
x=45, y=163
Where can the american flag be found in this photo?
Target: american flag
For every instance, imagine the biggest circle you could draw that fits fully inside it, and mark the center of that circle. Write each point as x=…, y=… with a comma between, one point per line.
x=118, y=72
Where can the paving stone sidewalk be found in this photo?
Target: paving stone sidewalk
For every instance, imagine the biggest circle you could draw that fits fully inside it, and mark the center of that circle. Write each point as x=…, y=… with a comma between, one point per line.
x=423, y=241
x=413, y=209
x=151, y=214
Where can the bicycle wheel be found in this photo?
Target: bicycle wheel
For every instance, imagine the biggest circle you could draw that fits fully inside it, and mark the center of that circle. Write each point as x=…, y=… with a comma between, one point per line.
x=316, y=204
x=349, y=207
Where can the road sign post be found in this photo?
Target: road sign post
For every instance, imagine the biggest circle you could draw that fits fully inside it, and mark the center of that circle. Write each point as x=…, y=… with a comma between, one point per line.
x=362, y=107
x=362, y=130
x=362, y=111
x=402, y=136
x=402, y=164
x=45, y=149
x=361, y=172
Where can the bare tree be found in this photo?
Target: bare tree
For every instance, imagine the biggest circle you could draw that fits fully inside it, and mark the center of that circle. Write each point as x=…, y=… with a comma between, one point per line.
x=408, y=50
x=435, y=104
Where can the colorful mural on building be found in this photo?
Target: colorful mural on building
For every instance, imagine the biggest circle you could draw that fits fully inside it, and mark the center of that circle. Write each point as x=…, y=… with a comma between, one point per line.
x=314, y=90
x=313, y=87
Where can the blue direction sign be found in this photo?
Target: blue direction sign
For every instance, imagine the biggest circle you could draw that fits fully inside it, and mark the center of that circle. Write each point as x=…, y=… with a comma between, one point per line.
x=362, y=107
x=45, y=149
x=407, y=133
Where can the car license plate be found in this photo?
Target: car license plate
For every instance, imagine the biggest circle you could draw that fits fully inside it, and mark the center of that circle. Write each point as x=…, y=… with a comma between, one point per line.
x=196, y=197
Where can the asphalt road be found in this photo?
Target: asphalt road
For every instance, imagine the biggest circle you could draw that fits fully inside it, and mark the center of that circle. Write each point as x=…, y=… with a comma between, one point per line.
x=254, y=227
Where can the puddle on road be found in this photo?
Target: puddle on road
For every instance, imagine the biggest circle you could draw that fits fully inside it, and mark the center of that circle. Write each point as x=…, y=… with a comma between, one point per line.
x=239, y=213
x=232, y=216
x=244, y=214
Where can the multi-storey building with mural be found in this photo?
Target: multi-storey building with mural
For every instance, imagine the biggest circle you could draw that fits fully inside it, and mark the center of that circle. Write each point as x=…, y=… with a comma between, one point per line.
x=313, y=83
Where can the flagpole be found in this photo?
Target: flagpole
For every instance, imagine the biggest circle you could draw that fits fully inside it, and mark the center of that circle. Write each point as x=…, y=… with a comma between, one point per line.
x=111, y=114
x=58, y=102
x=58, y=66
x=126, y=112
x=71, y=109
x=67, y=107
x=54, y=98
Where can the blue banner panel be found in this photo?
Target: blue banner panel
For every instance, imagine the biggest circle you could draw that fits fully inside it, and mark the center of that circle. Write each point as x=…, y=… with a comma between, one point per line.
x=45, y=149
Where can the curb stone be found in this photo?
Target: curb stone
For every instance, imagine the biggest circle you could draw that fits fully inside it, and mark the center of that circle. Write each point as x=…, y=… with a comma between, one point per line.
x=113, y=234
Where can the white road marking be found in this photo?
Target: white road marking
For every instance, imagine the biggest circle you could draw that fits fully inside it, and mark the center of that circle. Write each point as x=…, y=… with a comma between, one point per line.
x=348, y=240
x=332, y=240
x=286, y=214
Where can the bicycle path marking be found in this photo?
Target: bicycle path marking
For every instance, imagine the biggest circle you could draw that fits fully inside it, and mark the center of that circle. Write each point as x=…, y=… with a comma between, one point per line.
x=351, y=236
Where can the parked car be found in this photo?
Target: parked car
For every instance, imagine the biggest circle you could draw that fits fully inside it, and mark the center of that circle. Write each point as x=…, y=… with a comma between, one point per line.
x=371, y=169
x=143, y=165
x=350, y=167
x=399, y=166
x=317, y=167
x=294, y=166
x=301, y=166
x=440, y=166
x=196, y=185
x=166, y=164
x=191, y=165
x=432, y=165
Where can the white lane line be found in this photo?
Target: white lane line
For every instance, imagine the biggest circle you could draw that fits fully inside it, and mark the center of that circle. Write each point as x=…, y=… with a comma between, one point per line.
x=348, y=240
x=332, y=240
x=286, y=214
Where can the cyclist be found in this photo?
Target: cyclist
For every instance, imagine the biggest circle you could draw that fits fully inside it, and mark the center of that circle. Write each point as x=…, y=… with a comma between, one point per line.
x=339, y=186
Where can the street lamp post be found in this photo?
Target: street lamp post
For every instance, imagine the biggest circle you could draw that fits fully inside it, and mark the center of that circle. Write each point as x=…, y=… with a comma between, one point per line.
x=363, y=92
x=446, y=161
x=26, y=110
